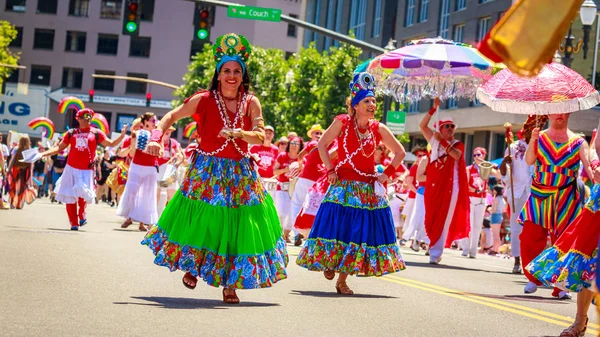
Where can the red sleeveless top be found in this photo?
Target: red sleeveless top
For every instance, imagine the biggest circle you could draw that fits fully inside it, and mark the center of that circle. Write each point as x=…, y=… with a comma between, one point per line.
x=348, y=140
x=209, y=123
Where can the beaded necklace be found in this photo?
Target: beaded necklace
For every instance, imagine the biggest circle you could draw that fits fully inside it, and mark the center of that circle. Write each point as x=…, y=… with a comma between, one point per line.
x=360, y=137
x=349, y=157
x=228, y=124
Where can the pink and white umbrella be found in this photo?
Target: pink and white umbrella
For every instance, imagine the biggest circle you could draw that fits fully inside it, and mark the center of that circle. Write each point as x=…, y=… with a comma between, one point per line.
x=556, y=89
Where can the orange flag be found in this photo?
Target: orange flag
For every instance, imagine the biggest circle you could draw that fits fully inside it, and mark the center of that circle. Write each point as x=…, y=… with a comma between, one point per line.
x=527, y=36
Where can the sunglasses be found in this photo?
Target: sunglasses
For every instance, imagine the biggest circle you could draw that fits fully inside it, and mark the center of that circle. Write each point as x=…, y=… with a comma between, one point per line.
x=294, y=143
x=449, y=126
x=317, y=133
x=478, y=155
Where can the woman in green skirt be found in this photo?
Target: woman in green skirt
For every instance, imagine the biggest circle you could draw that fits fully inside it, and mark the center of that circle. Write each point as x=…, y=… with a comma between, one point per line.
x=221, y=226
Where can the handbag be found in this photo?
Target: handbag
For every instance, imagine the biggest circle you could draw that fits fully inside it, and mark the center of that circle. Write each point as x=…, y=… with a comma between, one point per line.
x=30, y=195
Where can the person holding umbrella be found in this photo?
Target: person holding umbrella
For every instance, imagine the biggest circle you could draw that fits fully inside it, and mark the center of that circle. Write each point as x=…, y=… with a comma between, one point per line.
x=447, y=214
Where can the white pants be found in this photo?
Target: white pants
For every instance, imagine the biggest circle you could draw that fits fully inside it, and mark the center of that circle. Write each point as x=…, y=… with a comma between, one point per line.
x=416, y=228
x=437, y=248
x=138, y=202
x=283, y=201
x=469, y=245
x=407, y=212
x=516, y=228
x=300, y=192
x=395, y=204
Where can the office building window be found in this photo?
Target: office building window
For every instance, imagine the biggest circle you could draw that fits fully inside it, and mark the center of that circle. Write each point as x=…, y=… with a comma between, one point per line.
x=411, y=107
x=79, y=7
x=40, y=74
x=17, y=42
x=358, y=18
x=310, y=10
x=147, y=10
x=424, y=11
x=444, y=19
x=47, y=6
x=14, y=76
x=108, y=44
x=409, y=17
x=460, y=5
x=140, y=46
x=377, y=19
x=338, y=20
x=75, y=41
x=483, y=26
x=15, y=5
x=110, y=9
x=104, y=84
x=136, y=87
x=317, y=19
x=43, y=39
x=329, y=22
x=484, y=1
x=459, y=33
x=72, y=78
x=291, y=29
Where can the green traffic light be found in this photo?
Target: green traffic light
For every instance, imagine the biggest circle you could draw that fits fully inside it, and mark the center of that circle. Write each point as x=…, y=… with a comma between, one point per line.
x=202, y=34
x=131, y=27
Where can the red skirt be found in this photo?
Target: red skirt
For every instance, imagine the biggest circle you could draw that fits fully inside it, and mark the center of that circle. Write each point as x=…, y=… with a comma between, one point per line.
x=18, y=179
x=312, y=202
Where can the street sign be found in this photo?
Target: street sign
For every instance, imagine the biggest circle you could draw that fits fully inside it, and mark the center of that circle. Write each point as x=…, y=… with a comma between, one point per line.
x=254, y=13
x=17, y=109
x=59, y=94
x=396, y=121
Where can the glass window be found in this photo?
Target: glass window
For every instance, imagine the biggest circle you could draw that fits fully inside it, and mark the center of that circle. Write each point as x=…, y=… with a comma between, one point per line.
x=483, y=27
x=291, y=29
x=409, y=18
x=460, y=5
x=459, y=33
x=75, y=41
x=338, y=20
x=133, y=87
x=43, y=39
x=444, y=19
x=40, y=74
x=72, y=78
x=15, y=5
x=79, y=7
x=377, y=19
x=317, y=19
x=140, y=46
x=18, y=40
x=146, y=10
x=411, y=107
x=123, y=118
x=47, y=6
x=104, y=84
x=14, y=76
x=108, y=44
x=484, y=1
x=358, y=18
x=110, y=9
x=424, y=11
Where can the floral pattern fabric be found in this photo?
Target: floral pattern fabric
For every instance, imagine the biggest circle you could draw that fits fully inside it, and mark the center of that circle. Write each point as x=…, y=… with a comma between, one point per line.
x=570, y=271
x=355, y=194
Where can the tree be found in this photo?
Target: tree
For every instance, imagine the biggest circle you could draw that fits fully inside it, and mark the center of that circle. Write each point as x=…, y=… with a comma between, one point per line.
x=7, y=34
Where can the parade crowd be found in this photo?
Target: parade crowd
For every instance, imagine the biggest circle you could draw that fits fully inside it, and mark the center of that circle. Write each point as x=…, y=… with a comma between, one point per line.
x=223, y=208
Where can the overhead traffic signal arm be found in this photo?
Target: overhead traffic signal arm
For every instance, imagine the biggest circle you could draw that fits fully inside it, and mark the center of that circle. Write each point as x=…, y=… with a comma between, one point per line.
x=131, y=18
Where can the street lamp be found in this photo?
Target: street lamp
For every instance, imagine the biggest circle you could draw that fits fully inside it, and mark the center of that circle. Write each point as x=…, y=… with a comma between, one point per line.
x=587, y=14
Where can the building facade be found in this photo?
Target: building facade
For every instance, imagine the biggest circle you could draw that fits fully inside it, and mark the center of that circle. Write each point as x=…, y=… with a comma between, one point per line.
x=63, y=42
x=467, y=21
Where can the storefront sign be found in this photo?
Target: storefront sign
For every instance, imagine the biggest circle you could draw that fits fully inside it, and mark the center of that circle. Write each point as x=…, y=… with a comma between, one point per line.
x=16, y=109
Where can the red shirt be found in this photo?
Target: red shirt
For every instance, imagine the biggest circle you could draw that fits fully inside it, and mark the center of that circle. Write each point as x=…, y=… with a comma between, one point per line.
x=313, y=165
x=170, y=151
x=361, y=162
x=476, y=182
x=83, y=147
x=267, y=155
x=142, y=158
x=284, y=161
x=412, y=172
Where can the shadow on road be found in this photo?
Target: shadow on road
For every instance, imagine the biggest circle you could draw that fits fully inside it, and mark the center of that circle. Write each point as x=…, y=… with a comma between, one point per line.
x=445, y=266
x=128, y=230
x=334, y=294
x=524, y=298
x=191, y=303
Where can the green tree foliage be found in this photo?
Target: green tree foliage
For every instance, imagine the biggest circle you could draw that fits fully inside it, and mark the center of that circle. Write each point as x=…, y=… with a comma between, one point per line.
x=7, y=34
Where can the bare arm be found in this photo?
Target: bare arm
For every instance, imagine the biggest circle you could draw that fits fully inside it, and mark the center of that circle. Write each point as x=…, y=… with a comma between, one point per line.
x=531, y=153
x=56, y=149
x=584, y=155
x=328, y=137
x=393, y=144
x=409, y=183
x=424, y=125
x=422, y=170
x=277, y=170
x=455, y=153
x=257, y=135
x=112, y=143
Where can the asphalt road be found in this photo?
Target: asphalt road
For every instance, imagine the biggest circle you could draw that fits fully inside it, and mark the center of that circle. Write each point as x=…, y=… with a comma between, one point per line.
x=101, y=282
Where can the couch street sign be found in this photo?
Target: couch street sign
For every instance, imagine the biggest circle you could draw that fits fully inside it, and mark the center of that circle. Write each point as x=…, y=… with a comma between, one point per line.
x=254, y=13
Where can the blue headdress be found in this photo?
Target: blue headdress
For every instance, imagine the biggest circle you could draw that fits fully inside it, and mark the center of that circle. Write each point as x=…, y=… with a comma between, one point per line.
x=362, y=86
x=231, y=47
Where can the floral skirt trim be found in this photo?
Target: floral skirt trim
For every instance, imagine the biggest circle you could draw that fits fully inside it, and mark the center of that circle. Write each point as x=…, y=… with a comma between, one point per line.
x=237, y=271
x=355, y=194
x=569, y=271
x=321, y=254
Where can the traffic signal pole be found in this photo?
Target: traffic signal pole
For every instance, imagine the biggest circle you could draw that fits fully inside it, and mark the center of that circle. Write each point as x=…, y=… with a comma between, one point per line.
x=303, y=24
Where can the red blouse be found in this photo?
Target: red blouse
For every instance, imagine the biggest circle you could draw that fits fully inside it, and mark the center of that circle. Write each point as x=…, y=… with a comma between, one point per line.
x=209, y=124
x=361, y=162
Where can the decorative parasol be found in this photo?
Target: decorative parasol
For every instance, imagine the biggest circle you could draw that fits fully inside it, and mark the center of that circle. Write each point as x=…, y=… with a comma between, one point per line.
x=556, y=89
x=430, y=68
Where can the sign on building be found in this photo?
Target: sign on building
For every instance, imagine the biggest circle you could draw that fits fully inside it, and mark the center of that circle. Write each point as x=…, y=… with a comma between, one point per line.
x=16, y=109
x=396, y=121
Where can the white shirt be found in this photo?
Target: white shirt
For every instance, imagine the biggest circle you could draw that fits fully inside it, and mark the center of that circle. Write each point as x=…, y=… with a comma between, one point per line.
x=5, y=152
x=522, y=174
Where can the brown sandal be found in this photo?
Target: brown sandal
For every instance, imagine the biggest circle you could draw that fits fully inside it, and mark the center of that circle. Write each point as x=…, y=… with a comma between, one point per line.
x=142, y=228
x=343, y=289
x=126, y=223
x=329, y=274
x=230, y=299
x=189, y=277
x=574, y=330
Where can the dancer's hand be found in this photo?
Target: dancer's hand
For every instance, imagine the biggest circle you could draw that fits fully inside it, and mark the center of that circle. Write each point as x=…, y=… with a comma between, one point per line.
x=154, y=149
x=535, y=134
x=436, y=103
x=382, y=178
x=124, y=129
x=226, y=133
x=332, y=178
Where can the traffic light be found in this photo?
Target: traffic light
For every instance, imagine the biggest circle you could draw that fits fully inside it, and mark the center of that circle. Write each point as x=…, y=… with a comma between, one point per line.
x=91, y=94
x=148, y=99
x=202, y=19
x=131, y=18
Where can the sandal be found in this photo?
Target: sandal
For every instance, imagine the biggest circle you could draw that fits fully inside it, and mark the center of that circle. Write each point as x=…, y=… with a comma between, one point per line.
x=142, y=227
x=574, y=330
x=126, y=223
x=230, y=299
x=189, y=277
x=343, y=289
x=329, y=274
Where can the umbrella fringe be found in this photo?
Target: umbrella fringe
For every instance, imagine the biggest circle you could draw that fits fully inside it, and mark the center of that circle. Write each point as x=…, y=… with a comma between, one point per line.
x=540, y=108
